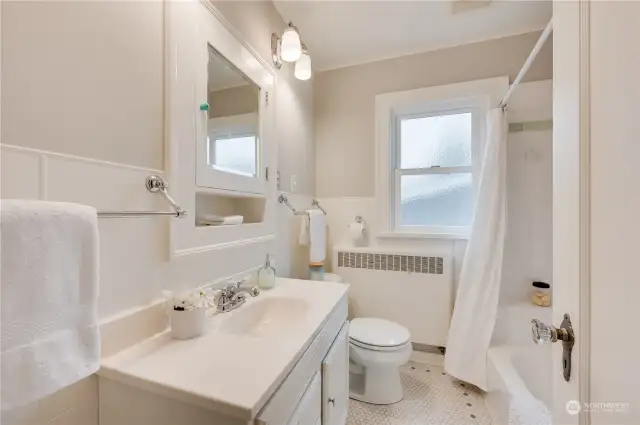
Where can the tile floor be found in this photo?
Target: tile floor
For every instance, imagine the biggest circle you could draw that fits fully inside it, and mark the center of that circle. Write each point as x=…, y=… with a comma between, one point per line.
x=431, y=398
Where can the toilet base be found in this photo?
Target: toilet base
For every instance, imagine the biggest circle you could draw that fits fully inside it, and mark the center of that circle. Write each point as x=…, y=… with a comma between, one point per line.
x=377, y=385
x=381, y=386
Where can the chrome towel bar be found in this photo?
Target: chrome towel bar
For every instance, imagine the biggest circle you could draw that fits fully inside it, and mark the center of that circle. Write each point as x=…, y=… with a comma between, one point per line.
x=154, y=184
x=284, y=200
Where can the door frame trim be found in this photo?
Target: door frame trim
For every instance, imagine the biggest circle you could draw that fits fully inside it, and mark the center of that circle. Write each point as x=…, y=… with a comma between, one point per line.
x=584, y=341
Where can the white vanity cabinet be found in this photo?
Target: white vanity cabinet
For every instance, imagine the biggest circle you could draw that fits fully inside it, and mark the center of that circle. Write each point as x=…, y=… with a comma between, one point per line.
x=326, y=400
x=294, y=377
x=309, y=410
x=335, y=381
x=325, y=362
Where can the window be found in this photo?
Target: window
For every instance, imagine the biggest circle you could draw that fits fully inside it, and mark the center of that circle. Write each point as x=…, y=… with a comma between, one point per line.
x=234, y=154
x=429, y=144
x=434, y=181
x=233, y=144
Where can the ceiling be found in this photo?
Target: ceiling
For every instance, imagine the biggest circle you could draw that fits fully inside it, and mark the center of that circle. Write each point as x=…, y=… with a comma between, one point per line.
x=344, y=33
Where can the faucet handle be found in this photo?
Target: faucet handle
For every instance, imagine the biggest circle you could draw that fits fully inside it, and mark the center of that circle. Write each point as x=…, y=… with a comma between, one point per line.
x=228, y=290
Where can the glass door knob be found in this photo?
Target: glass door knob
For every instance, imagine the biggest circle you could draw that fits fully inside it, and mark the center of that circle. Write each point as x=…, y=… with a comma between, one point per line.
x=546, y=334
x=543, y=333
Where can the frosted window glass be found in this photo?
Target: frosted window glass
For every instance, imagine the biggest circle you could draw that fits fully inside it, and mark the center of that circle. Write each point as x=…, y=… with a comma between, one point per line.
x=441, y=140
x=436, y=200
x=234, y=154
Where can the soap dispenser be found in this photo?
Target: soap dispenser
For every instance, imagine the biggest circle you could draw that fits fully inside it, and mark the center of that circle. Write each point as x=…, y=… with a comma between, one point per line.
x=267, y=275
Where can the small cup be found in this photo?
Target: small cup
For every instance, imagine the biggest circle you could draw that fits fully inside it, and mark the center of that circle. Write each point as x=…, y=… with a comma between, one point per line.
x=187, y=324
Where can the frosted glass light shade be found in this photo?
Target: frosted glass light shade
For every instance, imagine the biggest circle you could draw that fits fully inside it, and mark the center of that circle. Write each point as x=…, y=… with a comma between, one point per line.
x=302, y=70
x=290, y=47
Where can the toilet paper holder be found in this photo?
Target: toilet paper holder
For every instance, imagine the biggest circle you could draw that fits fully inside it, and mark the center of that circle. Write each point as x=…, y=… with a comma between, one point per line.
x=357, y=230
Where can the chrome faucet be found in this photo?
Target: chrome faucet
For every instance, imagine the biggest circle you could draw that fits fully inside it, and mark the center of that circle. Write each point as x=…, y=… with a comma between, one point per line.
x=233, y=296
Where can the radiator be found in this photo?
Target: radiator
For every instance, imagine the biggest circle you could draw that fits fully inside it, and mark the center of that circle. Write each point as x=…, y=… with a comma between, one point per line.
x=415, y=291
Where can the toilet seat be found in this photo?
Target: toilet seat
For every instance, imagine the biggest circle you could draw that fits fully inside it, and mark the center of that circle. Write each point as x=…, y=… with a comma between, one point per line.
x=377, y=348
x=378, y=334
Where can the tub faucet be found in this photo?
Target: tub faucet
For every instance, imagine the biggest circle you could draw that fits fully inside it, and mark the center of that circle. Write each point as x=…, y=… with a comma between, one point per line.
x=233, y=296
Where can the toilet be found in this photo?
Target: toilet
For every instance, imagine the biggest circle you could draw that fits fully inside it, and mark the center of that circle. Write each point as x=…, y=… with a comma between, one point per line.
x=377, y=349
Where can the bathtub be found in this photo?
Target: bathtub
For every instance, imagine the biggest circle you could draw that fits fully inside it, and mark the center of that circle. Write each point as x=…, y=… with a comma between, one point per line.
x=518, y=371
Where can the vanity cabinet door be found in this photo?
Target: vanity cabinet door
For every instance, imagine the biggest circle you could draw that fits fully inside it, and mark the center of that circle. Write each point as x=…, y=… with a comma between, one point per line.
x=335, y=380
x=309, y=410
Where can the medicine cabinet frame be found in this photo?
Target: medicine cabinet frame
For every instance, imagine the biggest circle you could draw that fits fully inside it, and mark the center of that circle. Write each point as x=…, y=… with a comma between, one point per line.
x=211, y=34
x=189, y=26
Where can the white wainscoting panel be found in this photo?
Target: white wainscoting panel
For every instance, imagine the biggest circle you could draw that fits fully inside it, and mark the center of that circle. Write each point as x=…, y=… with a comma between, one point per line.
x=21, y=174
x=134, y=253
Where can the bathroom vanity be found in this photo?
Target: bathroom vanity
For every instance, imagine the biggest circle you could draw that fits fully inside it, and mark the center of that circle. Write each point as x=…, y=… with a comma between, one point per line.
x=280, y=359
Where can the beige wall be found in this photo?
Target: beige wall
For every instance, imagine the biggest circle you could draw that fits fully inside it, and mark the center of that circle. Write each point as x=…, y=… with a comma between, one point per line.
x=233, y=101
x=344, y=101
x=108, y=106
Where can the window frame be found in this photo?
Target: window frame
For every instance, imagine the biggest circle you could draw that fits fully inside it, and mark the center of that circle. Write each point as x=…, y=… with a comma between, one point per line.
x=475, y=97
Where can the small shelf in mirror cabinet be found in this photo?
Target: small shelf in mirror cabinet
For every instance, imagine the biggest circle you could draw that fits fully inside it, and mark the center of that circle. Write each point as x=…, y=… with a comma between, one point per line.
x=212, y=204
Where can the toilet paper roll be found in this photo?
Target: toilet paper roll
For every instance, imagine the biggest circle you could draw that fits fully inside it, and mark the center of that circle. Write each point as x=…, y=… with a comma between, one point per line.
x=356, y=230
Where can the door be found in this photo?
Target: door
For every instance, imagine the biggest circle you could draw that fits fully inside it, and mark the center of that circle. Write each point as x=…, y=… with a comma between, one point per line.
x=596, y=205
x=569, y=235
x=335, y=380
x=614, y=212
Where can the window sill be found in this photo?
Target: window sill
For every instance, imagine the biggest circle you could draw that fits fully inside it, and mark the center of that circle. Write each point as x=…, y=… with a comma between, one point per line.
x=431, y=235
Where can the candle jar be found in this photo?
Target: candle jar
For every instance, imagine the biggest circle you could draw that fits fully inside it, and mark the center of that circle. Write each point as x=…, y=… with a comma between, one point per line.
x=541, y=294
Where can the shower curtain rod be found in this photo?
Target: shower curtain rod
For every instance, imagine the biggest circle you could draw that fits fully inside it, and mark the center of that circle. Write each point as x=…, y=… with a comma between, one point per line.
x=525, y=68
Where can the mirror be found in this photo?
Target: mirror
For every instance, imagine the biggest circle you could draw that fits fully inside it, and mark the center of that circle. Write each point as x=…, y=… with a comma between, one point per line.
x=232, y=124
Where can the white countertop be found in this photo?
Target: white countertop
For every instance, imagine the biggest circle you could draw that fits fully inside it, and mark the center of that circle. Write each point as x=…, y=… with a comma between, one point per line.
x=232, y=374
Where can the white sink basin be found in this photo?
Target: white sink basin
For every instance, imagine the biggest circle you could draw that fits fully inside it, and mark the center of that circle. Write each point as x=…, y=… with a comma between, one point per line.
x=267, y=317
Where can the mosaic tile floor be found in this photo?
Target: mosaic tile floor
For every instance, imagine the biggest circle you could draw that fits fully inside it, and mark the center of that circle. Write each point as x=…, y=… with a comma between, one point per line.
x=431, y=397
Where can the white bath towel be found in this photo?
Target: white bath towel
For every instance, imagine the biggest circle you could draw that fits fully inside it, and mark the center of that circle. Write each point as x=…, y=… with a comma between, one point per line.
x=49, y=328
x=317, y=237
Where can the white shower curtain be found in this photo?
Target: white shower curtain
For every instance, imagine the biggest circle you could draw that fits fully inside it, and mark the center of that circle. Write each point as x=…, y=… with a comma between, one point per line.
x=476, y=306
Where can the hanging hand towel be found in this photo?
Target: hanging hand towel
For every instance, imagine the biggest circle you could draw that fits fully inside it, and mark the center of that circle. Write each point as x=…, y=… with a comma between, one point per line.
x=50, y=336
x=317, y=237
x=303, y=237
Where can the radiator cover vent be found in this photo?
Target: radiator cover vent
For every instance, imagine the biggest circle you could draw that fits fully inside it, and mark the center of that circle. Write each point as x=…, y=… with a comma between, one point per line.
x=391, y=262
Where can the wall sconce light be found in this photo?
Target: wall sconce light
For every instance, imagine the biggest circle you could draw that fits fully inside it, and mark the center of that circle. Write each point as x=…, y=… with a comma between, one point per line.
x=290, y=44
x=290, y=48
x=302, y=70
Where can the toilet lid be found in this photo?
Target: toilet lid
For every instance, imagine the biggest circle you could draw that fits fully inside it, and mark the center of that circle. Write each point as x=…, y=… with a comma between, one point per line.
x=378, y=332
